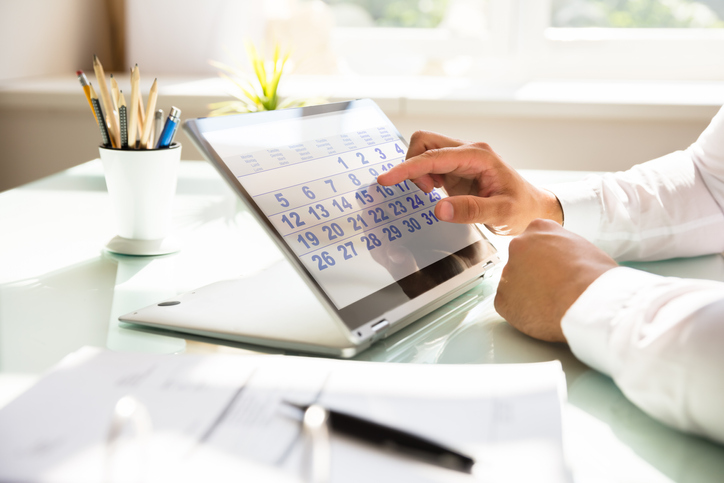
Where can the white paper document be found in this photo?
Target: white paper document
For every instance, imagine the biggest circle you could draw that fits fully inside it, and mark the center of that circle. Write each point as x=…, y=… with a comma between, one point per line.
x=227, y=418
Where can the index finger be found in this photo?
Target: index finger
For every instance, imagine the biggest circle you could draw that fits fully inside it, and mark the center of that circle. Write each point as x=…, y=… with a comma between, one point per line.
x=464, y=161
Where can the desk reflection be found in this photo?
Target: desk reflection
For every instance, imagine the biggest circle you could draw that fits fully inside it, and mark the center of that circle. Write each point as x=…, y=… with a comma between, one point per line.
x=141, y=281
x=478, y=335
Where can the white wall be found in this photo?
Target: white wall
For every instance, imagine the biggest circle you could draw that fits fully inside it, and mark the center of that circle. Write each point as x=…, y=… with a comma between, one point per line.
x=568, y=144
x=44, y=37
x=70, y=137
x=39, y=37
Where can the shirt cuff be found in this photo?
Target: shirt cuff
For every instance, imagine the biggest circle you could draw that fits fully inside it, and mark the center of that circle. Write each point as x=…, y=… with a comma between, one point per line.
x=581, y=206
x=588, y=323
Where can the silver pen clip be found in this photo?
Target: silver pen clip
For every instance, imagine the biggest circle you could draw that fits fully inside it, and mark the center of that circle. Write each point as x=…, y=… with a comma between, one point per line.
x=315, y=424
x=128, y=460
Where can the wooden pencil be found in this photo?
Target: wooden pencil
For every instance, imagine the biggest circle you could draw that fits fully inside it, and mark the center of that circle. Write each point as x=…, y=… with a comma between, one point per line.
x=86, y=90
x=141, y=116
x=114, y=130
x=114, y=93
x=133, y=107
x=151, y=107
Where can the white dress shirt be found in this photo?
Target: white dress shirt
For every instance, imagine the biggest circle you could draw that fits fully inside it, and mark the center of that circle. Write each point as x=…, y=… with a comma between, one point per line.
x=661, y=339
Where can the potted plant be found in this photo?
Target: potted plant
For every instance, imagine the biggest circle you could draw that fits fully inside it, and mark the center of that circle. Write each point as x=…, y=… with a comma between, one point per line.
x=259, y=92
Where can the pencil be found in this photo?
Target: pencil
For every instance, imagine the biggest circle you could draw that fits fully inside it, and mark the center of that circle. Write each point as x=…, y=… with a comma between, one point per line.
x=133, y=115
x=99, y=115
x=116, y=112
x=141, y=116
x=123, y=118
x=114, y=94
x=152, y=138
x=86, y=89
x=148, y=124
x=114, y=131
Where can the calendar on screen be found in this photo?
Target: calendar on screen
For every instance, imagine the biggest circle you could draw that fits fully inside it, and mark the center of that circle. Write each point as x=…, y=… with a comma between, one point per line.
x=320, y=193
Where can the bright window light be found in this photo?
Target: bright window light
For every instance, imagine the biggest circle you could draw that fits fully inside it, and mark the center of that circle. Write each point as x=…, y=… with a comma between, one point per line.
x=637, y=13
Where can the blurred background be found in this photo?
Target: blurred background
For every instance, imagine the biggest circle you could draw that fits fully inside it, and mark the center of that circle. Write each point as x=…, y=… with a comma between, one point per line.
x=550, y=84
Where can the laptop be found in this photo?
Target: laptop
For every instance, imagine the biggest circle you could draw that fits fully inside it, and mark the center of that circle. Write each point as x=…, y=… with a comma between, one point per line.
x=361, y=261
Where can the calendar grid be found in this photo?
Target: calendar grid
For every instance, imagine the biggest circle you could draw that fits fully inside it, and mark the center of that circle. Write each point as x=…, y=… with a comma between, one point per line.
x=327, y=177
x=357, y=233
x=327, y=206
x=351, y=213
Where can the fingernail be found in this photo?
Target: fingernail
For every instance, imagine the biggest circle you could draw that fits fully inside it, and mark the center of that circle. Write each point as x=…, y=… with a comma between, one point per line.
x=445, y=210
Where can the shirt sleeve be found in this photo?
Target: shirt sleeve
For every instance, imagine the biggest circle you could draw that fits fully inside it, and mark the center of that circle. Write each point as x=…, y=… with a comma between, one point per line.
x=660, y=339
x=668, y=207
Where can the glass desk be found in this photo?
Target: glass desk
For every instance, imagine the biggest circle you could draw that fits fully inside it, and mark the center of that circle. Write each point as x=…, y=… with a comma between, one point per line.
x=59, y=291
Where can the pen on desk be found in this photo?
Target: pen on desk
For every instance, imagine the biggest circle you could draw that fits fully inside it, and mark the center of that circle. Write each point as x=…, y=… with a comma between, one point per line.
x=157, y=125
x=169, y=129
x=123, y=118
x=86, y=89
x=391, y=438
x=114, y=131
x=148, y=123
x=99, y=116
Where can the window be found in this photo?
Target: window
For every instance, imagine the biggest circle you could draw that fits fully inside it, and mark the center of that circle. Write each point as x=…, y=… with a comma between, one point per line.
x=410, y=37
x=633, y=39
x=516, y=40
x=394, y=13
x=637, y=14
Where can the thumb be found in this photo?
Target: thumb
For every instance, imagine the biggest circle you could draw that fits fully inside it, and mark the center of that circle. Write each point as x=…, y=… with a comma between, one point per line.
x=461, y=209
x=474, y=209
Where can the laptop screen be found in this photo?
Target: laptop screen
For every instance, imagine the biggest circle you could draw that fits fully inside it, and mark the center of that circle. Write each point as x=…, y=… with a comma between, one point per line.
x=311, y=173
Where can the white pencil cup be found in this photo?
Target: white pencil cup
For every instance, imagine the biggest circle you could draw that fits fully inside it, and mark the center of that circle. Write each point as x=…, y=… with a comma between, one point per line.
x=142, y=186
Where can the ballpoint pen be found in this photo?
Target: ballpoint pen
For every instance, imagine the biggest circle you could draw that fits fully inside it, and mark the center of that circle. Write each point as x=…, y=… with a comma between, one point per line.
x=391, y=438
x=169, y=129
x=157, y=126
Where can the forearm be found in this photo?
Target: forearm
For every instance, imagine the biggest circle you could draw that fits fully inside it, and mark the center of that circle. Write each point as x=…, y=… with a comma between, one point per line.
x=660, y=339
x=669, y=207
x=660, y=209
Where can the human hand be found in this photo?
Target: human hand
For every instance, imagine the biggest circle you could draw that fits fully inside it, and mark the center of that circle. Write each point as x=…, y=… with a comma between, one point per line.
x=547, y=270
x=481, y=186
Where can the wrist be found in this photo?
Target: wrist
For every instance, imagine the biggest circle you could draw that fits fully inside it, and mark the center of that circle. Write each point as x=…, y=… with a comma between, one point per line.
x=550, y=206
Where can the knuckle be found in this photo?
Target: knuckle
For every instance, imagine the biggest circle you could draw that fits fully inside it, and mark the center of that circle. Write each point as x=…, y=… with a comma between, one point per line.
x=466, y=209
x=431, y=154
x=517, y=246
x=415, y=138
x=483, y=146
x=472, y=209
x=419, y=136
x=540, y=224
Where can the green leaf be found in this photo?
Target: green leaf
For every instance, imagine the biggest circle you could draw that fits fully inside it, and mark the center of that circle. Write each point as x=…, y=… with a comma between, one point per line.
x=259, y=94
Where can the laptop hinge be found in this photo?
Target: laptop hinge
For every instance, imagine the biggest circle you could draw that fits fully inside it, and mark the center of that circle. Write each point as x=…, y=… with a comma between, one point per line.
x=379, y=328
